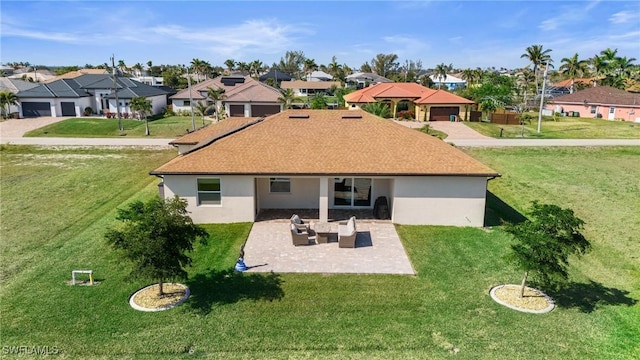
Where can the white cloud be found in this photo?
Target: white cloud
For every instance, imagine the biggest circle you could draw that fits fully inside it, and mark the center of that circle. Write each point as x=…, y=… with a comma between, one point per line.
x=622, y=17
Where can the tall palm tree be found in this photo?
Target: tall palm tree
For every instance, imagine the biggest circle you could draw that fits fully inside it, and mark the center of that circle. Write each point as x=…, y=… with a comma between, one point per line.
x=217, y=96
x=441, y=73
x=468, y=75
x=309, y=66
x=122, y=66
x=624, y=65
x=230, y=64
x=573, y=67
x=7, y=98
x=598, y=67
x=202, y=109
x=257, y=67
x=143, y=107
x=197, y=66
x=537, y=56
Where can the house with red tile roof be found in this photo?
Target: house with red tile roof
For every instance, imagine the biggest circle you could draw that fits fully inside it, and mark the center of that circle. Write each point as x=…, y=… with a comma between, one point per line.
x=427, y=104
x=600, y=102
x=244, y=96
x=325, y=159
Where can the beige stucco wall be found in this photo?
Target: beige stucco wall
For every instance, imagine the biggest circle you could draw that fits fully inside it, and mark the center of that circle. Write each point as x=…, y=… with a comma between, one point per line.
x=305, y=194
x=439, y=200
x=237, y=198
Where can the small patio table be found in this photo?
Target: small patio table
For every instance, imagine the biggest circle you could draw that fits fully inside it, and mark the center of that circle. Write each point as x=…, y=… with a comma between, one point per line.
x=323, y=232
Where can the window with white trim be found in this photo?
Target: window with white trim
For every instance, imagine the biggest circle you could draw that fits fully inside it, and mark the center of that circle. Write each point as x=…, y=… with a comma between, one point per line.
x=280, y=185
x=593, y=109
x=209, y=191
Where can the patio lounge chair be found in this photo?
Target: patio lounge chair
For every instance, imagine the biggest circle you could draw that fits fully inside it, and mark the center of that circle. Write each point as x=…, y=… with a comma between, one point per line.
x=295, y=220
x=347, y=234
x=299, y=236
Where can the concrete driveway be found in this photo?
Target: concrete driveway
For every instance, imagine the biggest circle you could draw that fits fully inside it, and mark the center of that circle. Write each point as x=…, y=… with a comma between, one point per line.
x=13, y=128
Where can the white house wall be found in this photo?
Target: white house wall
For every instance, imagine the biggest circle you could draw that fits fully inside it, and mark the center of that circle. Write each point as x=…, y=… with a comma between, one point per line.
x=56, y=104
x=237, y=203
x=305, y=194
x=439, y=200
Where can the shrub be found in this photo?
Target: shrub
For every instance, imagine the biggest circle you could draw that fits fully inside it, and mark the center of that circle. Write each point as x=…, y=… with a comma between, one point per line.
x=88, y=111
x=406, y=114
x=125, y=115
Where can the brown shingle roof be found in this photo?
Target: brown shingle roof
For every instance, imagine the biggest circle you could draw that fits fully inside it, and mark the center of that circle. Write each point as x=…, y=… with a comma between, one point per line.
x=604, y=95
x=214, y=130
x=325, y=143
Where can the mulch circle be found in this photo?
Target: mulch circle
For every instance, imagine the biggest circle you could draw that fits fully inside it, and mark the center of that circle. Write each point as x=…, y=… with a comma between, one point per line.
x=534, y=301
x=147, y=299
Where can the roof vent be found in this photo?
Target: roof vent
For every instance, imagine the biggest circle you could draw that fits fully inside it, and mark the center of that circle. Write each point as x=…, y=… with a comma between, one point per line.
x=352, y=116
x=299, y=116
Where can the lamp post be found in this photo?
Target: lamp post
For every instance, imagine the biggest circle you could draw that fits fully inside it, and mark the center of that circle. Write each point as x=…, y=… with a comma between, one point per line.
x=193, y=119
x=544, y=82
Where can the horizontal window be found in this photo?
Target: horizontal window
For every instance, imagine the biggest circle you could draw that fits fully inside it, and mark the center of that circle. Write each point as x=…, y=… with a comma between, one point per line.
x=209, y=192
x=280, y=185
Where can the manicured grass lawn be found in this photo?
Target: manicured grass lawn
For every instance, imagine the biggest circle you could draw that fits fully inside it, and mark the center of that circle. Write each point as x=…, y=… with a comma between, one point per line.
x=169, y=127
x=563, y=128
x=57, y=204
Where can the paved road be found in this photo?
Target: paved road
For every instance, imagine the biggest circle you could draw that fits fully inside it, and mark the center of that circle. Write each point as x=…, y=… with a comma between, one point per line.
x=11, y=132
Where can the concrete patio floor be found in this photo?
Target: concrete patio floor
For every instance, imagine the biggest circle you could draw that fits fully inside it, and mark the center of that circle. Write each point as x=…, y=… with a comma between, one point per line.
x=378, y=250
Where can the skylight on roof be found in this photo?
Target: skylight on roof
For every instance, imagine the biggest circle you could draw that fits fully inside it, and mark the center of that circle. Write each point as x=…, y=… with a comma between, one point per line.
x=352, y=116
x=299, y=116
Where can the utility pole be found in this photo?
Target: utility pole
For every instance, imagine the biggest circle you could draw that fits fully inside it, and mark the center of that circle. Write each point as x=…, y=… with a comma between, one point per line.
x=544, y=83
x=193, y=119
x=115, y=92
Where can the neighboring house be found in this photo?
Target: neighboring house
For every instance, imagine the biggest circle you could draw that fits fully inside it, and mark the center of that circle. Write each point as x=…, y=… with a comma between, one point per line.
x=427, y=104
x=361, y=80
x=14, y=86
x=277, y=76
x=150, y=80
x=78, y=73
x=32, y=74
x=600, y=102
x=319, y=76
x=306, y=88
x=69, y=97
x=327, y=159
x=451, y=82
x=244, y=96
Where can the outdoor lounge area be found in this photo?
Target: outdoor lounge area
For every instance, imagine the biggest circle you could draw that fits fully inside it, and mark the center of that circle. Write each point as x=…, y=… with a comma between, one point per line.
x=376, y=247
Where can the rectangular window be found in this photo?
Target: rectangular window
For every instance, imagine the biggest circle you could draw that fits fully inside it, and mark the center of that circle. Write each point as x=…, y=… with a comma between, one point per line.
x=209, y=192
x=187, y=103
x=280, y=185
x=612, y=110
x=593, y=109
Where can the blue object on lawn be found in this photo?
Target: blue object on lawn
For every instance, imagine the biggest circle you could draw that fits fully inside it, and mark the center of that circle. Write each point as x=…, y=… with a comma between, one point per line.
x=240, y=265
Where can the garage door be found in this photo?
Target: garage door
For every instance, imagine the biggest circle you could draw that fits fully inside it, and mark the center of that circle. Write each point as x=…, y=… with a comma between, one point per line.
x=68, y=108
x=236, y=110
x=35, y=109
x=442, y=113
x=264, y=110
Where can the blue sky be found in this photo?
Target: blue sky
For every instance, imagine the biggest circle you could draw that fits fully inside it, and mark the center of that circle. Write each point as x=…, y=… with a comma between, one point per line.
x=464, y=33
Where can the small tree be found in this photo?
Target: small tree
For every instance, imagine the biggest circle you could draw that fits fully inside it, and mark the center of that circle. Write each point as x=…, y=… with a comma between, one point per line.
x=318, y=101
x=156, y=236
x=7, y=98
x=377, y=108
x=143, y=106
x=545, y=242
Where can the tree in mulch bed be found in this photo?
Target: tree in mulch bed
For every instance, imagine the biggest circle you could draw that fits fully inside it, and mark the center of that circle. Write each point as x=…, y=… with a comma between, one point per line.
x=544, y=243
x=156, y=236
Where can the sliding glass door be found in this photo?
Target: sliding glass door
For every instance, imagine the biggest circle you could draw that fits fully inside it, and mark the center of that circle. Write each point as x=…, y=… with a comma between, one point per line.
x=352, y=192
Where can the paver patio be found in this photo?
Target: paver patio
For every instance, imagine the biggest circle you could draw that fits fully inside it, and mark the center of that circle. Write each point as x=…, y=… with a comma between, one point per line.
x=378, y=251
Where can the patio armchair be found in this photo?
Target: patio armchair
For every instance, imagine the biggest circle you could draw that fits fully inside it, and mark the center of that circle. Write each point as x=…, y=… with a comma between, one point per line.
x=298, y=236
x=295, y=220
x=347, y=233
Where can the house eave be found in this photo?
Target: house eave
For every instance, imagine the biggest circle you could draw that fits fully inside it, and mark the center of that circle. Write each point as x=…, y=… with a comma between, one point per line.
x=289, y=174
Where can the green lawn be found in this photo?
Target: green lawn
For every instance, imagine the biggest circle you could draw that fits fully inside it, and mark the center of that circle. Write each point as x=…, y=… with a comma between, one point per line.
x=169, y=127
x=563, y=128
x=57, y=204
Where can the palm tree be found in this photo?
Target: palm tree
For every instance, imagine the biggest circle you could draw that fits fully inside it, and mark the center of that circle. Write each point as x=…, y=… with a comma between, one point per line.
x=572, y=67
x=202, y=109
x=230, y=64
x=256, y=66
x=122, y=66
x=468, y=75
x=287, y=98
x=624, y=66
x=7, y=98
x=217, y=96
x=138, y=67
x=242, y=66
x=377, y=108
x=537, y=56
x=142, y=106
x=599, y=66
x=197, y=66
x=441, y=73
x=309, y=66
